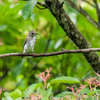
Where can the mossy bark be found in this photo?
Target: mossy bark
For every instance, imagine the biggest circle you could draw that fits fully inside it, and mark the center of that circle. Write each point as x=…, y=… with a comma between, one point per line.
x=56, y=8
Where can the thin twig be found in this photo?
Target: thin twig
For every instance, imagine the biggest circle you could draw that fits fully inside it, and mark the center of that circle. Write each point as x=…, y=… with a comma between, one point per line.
x=84, y=13
x=97, y=9
x=51, y=54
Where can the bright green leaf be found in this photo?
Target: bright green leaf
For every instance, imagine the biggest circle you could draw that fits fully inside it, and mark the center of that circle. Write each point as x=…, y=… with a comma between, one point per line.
x=15, y=94
x=93, y=92
x=45, y=93
x=6, y=94
x=59, y=42
x=27, y=10
x=64, y=94
x=15, y=8
x=85, y=90
x=18, y=99
x=7, y=98
x=31, y=89
x=64, y=79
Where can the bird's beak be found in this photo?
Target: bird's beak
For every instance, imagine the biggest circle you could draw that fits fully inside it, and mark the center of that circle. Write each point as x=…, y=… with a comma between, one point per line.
x=36, y=33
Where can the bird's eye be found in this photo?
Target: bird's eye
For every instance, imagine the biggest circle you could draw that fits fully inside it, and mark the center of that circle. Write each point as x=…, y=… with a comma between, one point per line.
x=32, y=33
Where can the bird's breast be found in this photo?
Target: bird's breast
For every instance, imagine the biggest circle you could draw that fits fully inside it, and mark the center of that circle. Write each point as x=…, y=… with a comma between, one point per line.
x=33, y=40
x=29, y=45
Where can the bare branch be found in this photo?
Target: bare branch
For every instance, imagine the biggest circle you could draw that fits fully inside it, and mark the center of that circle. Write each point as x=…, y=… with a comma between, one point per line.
x=97, y=9
x=50, y=54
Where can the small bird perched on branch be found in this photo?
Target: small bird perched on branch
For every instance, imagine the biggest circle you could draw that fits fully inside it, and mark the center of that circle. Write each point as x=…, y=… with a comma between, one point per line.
x=29, y=42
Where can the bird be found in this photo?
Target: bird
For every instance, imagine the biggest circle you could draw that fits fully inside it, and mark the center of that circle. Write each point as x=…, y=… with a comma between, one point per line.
x=29, y=42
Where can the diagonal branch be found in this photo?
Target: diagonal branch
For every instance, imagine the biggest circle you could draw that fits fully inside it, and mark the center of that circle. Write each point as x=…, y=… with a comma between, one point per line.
x=84, y=13
x=56, y=9
x=51, y=54
x=97, y=9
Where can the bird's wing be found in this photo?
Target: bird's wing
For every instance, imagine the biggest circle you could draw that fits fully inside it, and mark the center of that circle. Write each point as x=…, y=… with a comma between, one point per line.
x=24, y=44
x=25, y=41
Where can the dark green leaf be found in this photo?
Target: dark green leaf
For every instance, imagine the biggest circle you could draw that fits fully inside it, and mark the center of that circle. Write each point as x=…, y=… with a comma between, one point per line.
x=17, y=69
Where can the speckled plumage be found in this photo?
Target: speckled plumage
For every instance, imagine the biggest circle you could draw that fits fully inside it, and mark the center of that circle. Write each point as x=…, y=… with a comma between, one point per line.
x=30, y=42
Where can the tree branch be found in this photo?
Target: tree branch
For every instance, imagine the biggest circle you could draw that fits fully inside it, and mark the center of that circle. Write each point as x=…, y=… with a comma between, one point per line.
x=50, y=54
x=84, y=13
x=72, y=32
x=97, y=9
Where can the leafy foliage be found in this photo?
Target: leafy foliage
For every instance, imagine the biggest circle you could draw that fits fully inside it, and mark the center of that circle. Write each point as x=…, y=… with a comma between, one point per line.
x=18, y=74
x=37, y=91
x=27, y=10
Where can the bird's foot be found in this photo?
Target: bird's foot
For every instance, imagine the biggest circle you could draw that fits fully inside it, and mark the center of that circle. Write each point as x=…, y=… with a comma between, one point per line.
x=34, y=55
x=26, y=54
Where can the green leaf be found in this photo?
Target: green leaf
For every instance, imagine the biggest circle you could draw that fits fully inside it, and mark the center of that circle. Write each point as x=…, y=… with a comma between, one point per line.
x=6, y=94
x=15, y=8
x=93, y=92
x=3, y=27
x=64, y=79
x=4, y=98
x=31, y=88
x=84, y=90
x=27, y=10
x=91, y=98
x=15, y=94
x=59, y=42
x=64, y=94
x=17, y=69
x=18, y=99
x=45, y=93
x=7, y=98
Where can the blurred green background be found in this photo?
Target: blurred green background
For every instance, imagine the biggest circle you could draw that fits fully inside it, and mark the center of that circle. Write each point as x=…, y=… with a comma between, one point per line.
x=20, y=73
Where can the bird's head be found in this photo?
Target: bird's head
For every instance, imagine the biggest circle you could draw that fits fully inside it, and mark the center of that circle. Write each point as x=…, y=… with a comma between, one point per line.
x=32, y=33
